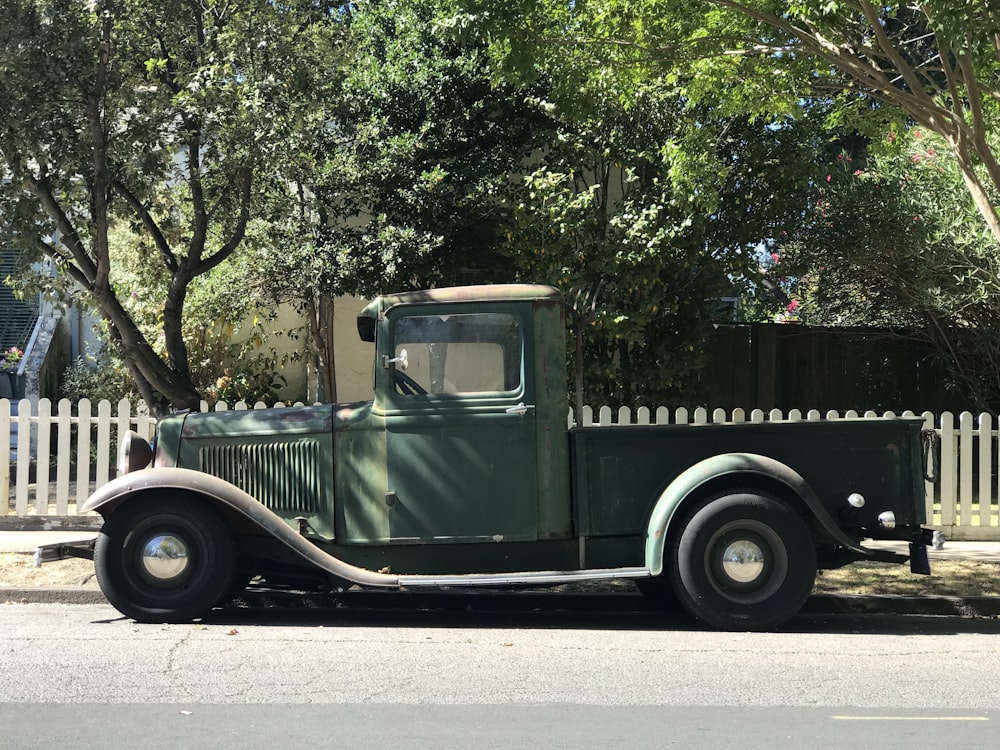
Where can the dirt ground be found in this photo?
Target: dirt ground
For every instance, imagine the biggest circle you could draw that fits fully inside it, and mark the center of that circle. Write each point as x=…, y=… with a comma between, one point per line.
x=18, y=570
x=949, y=577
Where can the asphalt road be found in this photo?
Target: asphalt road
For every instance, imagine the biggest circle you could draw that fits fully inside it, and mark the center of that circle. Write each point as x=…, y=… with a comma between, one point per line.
x=468, y=727
x=878, y=664
x=90, y=653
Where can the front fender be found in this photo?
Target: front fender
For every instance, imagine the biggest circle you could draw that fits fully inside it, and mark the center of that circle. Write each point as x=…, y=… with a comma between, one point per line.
x=733, y=465
x=106, y=499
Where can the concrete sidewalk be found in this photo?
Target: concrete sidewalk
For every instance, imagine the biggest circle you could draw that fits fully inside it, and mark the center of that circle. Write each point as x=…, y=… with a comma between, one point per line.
x=950, y=551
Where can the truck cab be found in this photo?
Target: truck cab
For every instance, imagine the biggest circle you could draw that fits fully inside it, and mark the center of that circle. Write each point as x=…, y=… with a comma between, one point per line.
x=471, y=405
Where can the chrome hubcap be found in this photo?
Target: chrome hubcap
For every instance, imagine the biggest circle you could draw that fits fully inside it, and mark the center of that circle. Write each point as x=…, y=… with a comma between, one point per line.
x=743, y=561
x=165, y=556
x=746, y=561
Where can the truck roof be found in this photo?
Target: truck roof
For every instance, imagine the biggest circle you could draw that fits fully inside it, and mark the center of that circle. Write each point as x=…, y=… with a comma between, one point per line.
x=483, y=293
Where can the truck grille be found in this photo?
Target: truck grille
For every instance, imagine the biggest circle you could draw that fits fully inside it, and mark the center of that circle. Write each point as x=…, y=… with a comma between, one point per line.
x=282, y=476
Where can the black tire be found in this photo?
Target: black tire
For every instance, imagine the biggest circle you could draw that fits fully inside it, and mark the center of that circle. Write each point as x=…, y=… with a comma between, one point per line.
x=172, y=587
x=743, y=561
x=658, y=590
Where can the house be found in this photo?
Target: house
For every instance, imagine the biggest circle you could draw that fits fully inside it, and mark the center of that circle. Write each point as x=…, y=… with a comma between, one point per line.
x=17, y=317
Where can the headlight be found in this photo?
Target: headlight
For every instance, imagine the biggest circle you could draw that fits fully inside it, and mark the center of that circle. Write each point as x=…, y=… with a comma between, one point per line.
x=134, y=453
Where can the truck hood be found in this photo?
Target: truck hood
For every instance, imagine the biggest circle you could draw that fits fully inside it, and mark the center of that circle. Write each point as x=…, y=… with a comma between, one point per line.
x=293, y=420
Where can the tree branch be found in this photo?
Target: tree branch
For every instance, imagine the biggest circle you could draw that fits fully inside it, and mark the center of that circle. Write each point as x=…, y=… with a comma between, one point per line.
x=238, y=233
x=101, y=174
x=199, y=235
x=169, y=260
x=70, y=237
x=916, y=83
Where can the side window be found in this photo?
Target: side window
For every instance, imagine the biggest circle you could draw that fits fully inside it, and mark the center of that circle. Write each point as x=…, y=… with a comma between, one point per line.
x=458, y=354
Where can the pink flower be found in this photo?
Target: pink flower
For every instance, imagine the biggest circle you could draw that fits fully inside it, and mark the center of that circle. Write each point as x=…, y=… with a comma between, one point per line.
x=829, y=177
x=892, y=137
x=775, y=258
x=930, y=152
x=916, y=218
x=792, y=306
x=916, y=158
x=858, y=172
x=918, y=133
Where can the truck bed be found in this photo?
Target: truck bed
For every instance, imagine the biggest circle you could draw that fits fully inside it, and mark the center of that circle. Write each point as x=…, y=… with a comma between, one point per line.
x=619, y=472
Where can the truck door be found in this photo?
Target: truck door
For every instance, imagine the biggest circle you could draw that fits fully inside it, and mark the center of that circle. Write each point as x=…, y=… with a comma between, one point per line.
x=460, y=424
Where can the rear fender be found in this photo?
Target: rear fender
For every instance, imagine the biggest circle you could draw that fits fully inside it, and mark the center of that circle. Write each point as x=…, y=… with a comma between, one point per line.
x=731, y=466
x=225, y=495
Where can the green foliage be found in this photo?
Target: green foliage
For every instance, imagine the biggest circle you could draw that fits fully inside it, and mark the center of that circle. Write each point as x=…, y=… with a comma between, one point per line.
x=98, y=378
x=10, y=360
x=860, y=255
x=248, y=384
x=106, y=376
x=416, y=149
x=935, y=64
x=611, y=208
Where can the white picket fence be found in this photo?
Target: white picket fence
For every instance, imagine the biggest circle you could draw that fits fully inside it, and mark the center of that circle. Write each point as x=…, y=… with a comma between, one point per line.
x=57, y=459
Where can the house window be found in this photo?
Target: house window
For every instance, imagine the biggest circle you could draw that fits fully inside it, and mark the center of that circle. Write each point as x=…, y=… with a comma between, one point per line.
x=17, y=318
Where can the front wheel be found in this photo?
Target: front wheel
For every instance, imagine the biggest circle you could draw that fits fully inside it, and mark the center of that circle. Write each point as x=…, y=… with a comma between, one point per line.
x=743, y=561
x=164, y=558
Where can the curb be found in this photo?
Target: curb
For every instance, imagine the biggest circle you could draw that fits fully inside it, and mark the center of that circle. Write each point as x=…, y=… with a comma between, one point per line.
x=51, y=595
x=944, y=606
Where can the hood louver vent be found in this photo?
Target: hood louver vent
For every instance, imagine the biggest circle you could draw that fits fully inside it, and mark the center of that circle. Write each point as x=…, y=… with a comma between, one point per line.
x=282, y=476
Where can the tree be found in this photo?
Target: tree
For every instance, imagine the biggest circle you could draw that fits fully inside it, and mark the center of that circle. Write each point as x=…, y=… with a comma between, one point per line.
x=419, y=147
x=934, y=64
x=893, y=241
x=177, y=119
x=411, y=157
x=609, y=215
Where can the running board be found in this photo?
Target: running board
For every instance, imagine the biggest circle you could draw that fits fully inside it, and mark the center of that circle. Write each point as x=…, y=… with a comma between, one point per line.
x=535, y=577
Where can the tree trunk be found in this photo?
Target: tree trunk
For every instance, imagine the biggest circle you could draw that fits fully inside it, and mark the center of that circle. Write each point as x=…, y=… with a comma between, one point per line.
x=977, y=191
x=321, y=319
x=161, y=385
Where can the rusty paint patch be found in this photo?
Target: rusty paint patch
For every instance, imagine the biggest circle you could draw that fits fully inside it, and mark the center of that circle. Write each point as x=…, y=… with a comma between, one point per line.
x=483, y=293
x=348, y=415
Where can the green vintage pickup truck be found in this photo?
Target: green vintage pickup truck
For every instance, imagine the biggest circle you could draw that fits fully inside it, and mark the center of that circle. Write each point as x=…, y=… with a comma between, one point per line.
x=463, y=471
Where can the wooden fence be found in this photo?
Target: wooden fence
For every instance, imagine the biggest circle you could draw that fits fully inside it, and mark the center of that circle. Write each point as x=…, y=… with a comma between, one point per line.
x=51, y=461
x=772, y=366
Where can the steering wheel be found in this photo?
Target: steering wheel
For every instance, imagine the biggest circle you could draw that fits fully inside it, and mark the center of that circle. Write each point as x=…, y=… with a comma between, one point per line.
x=407, y=385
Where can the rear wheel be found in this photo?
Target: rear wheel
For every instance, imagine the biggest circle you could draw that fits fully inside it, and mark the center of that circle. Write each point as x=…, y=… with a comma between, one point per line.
x=164, y=559
x=658, y=590
x=743, y=561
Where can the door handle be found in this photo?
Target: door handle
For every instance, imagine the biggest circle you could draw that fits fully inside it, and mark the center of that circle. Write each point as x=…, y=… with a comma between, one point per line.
x=520, y=409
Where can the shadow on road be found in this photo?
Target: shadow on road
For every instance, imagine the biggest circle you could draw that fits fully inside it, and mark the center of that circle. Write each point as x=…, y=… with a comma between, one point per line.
x=494, y=609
